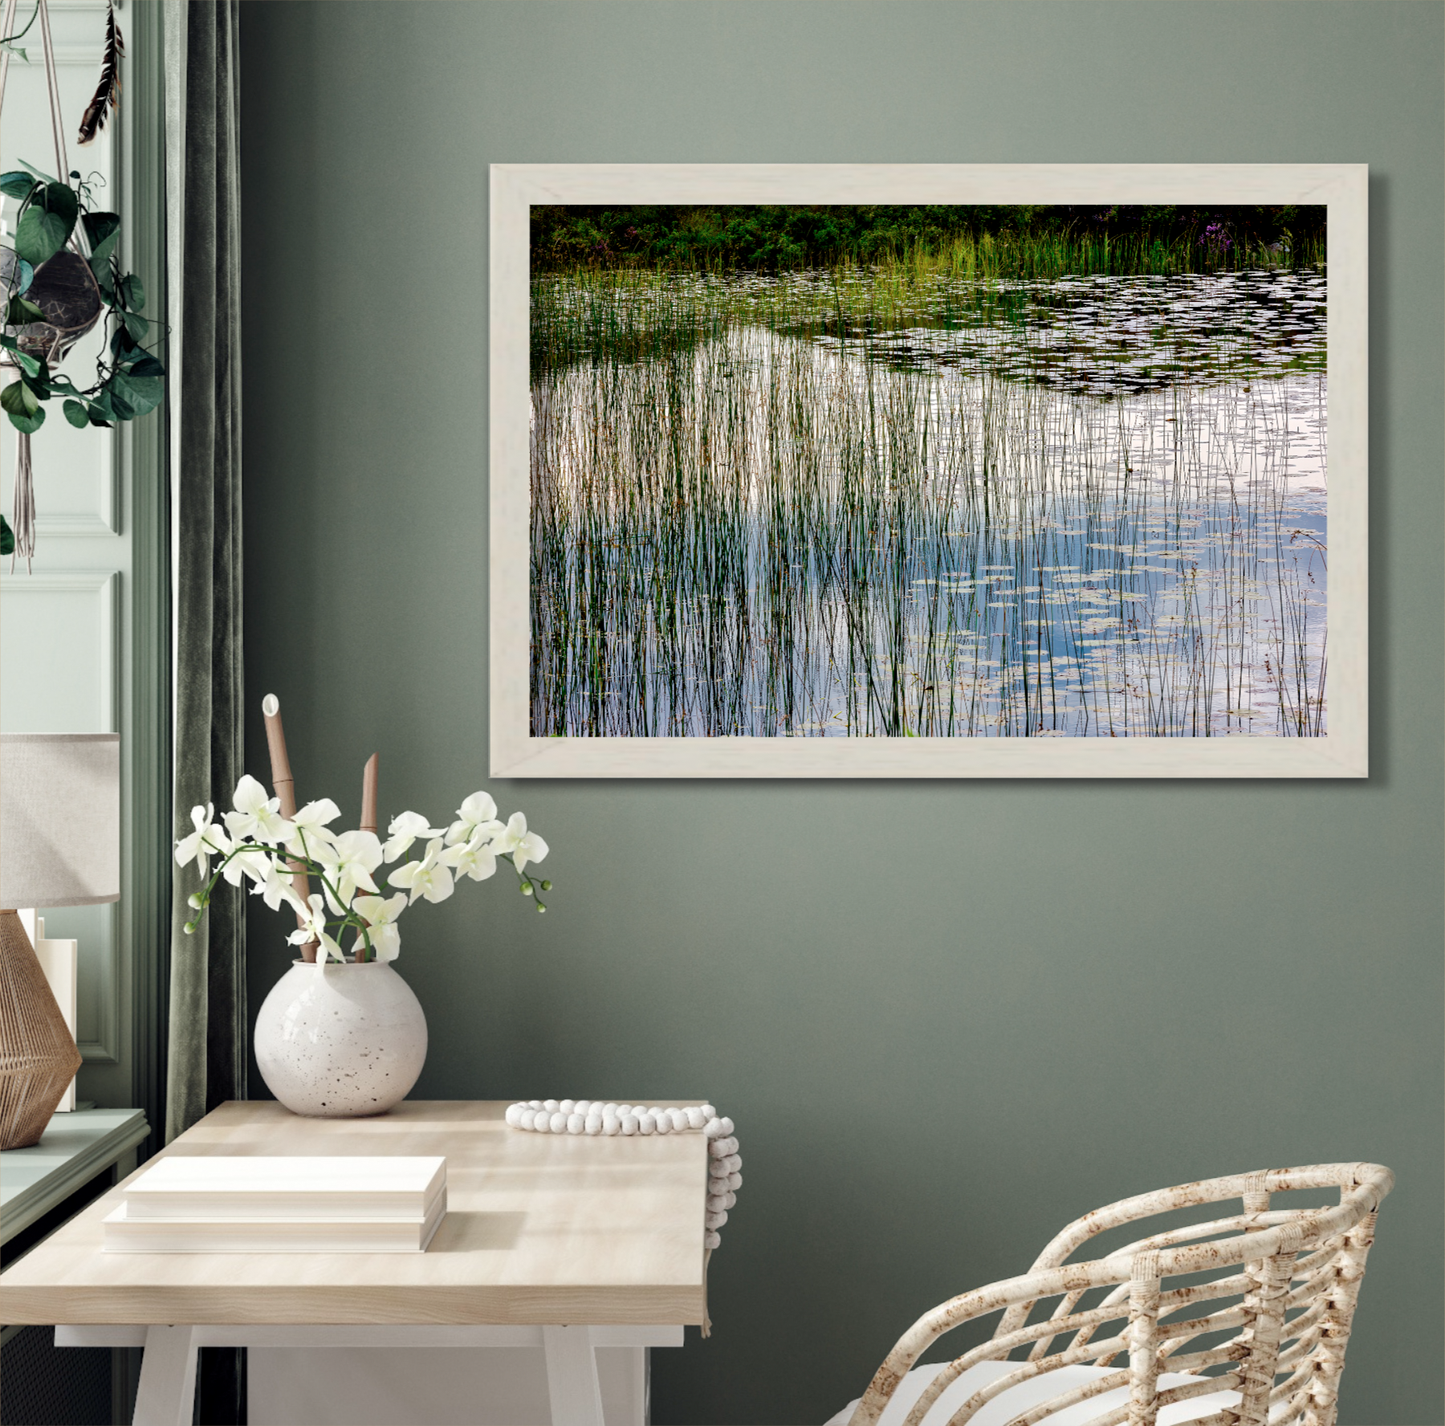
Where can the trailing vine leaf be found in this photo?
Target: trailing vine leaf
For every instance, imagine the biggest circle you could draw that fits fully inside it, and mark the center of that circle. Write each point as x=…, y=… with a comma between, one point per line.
x=16, y=184
x=101, y=413
x=20, y=313
x=26, y=413
x=108, y=90
x=7, y=537
x=46, y=224
x=140, y=393
x=147, y=365
x=39, y=173
x=136, y=327
x=18, y=400
x=102, y=230
x=76, y=414
x=40, y=235
x=132, y=292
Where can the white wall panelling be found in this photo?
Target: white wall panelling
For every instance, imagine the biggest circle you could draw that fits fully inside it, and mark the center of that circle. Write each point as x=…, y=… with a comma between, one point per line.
x=84, y=638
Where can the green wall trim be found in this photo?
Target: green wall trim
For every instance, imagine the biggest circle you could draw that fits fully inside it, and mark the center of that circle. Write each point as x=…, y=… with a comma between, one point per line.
x=145, y=911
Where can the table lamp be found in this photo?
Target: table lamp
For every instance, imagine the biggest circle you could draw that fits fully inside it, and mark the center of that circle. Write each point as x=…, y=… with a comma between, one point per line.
x=59, y=846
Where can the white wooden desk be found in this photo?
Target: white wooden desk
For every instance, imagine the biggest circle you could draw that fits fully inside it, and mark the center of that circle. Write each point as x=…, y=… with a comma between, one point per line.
x=566, y=1242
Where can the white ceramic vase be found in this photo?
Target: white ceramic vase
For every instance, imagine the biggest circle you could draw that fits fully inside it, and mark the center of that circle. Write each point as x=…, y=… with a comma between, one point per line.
x=340, y=1040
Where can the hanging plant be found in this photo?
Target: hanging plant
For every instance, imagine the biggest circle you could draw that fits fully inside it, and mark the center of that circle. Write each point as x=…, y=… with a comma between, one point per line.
x=54, y=295
x=58, y=279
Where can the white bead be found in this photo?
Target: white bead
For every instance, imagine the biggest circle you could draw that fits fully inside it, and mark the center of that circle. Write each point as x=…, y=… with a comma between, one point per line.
x=513, y=1114
x=558, y=1123
x=593, y=1123
x=582, y=1107
x=646, y=1124
x=629, y=1123
x=534, y=1104
x=695, y=1119
x=729, y=1200
x=663, y=1122
x=623, y=1110
x=711, y=1240
x=721, y=1148
x=528, y=1119
x=713, y=1128
x=612, y=1109
x=708, y=1112
x=717, y=1168
x=727, y=1124
x=576, y=1123
x=716, y=1220
x=566, y=1106
x=678, y=1119
x=550, y=1105
x=732, y=1162
x=611, y=1125
x=735, y=1180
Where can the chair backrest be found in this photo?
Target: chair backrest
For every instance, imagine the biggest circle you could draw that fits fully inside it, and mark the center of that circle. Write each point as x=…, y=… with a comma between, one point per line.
x=1259, y=1302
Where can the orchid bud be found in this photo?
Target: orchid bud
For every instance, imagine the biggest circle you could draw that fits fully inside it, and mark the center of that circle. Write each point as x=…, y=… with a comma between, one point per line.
x=546, y=886
x=194, y=901
x=190, y=928
x=528, y=889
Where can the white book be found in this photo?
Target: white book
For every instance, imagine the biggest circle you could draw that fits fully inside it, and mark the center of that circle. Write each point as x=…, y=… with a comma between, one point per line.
x=125, y=1234
x=323, y=1189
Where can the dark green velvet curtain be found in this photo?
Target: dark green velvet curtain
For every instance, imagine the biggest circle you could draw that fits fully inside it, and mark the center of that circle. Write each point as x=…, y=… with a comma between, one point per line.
x=206, y=1058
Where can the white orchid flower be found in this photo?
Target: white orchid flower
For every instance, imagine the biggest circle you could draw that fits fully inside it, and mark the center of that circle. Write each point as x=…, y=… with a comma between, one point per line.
x=428, y=877
x=524, y=846
x=276, y=888
x=476, y=859
x=311, y=821
x=404, y=830
x=478, y=814
x=254, y=862
x=313, y=928
x=203, y=843
x=380, y=913
x=256, y=815
x=349, y=862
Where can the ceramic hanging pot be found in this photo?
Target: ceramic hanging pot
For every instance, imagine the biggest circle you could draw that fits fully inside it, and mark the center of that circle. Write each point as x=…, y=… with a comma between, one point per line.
x=340, y=1041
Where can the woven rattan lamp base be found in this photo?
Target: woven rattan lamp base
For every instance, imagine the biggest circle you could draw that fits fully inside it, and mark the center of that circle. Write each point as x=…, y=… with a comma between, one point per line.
x=38, y=1057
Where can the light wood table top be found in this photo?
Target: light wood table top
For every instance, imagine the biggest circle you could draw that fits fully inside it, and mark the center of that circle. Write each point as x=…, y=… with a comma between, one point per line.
x=540, y=1228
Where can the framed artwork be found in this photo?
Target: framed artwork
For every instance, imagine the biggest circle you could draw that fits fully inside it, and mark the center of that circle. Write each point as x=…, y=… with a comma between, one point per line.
x=928, y=471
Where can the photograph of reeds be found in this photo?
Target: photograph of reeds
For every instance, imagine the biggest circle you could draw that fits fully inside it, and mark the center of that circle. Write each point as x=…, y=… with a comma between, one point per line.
x=938, y=472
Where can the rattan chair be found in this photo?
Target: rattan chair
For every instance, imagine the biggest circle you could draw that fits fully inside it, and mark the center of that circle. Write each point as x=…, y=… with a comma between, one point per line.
x=1237, y=1321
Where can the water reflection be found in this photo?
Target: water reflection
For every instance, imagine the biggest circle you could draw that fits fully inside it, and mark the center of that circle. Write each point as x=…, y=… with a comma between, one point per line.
x=1092, y=507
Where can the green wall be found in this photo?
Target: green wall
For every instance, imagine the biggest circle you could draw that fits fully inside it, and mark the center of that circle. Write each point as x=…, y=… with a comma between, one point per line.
x=947, y=1017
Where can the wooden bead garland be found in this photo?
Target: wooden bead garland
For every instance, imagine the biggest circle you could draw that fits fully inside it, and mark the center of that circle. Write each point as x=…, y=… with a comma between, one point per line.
x=587, y=1116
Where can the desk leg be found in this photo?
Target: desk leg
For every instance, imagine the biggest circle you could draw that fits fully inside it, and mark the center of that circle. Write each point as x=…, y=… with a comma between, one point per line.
x=572, y=1376
x=167, y=1392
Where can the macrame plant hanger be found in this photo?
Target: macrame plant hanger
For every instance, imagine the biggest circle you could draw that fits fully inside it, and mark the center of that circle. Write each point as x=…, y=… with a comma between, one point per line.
x=23, y=514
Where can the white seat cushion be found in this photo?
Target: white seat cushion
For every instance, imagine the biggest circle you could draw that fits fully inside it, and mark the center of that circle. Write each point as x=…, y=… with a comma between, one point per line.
x=1032, y=1393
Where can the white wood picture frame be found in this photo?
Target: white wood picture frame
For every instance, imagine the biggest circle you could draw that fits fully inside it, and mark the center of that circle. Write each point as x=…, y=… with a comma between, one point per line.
x=1341, y=752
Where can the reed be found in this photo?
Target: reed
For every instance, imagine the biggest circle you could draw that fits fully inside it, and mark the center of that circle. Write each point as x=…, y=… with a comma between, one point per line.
x=761, y=507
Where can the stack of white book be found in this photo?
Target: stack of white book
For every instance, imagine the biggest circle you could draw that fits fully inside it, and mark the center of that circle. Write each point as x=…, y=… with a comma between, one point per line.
x=216, y=1204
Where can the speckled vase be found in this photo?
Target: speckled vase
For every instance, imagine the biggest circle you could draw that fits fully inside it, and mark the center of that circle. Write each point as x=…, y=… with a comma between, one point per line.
x=340, y=1041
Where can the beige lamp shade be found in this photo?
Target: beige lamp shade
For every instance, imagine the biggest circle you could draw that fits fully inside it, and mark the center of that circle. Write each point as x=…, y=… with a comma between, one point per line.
x=59, y=819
